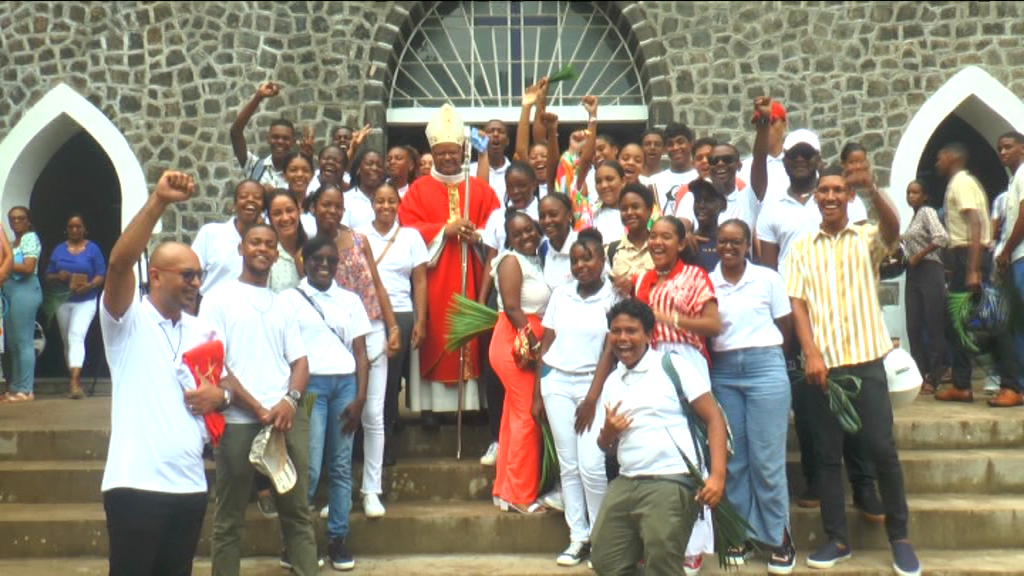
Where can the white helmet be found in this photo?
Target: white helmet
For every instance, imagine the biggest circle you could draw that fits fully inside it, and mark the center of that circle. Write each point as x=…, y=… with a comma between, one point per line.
x=903, y=376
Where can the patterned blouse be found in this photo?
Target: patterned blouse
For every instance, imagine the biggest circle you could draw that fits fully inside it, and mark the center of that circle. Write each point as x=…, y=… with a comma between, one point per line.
x=686, y=290
x=354, y=275
x=924, y=230
x=28, y=247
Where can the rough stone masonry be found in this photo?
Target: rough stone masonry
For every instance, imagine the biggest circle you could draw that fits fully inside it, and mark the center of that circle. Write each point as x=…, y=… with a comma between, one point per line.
x=171, y=76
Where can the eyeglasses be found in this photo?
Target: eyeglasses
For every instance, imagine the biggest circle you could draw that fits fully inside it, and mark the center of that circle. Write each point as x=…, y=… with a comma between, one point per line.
x=731, y=242
x=321, y=259
x=728, y=159
x=187, y=274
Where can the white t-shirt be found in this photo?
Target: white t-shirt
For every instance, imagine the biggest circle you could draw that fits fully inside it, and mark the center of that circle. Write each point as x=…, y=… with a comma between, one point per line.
x=314, y=184
x=395, y=269
x=749, y=308
x=1014, y=197
x=557, y=265
x=580, y=327
x=358, y=209
x=216, y=245
x=667, y=185
x=494, y=231
x=534, y=293
x=784, y=219
x=741, y=204
x=155, y=443
x=343, y=314
x=262, y=339
x=608, y=222
x=308, y=223
x=778, y=179
x=496, y=178
x=651, y=444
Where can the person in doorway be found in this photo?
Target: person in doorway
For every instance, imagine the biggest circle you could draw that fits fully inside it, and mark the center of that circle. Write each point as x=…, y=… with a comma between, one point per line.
x=78, y=264
x=269, y=170
x=436, y=208
x=154, y=481
x=836, y=268
x=267, y=375
x=24, y=296
x=216, y=243
x=925, y=290
x=1010, y=259
x=967, y=222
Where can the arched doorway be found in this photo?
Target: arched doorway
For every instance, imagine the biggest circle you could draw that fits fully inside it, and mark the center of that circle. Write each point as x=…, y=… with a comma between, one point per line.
x=63, y=156
x=481, y=57
x=971, y=107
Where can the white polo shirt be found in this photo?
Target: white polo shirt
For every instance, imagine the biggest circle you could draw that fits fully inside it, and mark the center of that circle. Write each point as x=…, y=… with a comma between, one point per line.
x=395, y=269
x=557, y=266
x=778, y=179
x=216, y=245
x=496, y=178
x=264, y=171
x=784, y=219
x=580, y=327
x=494, y=231
x=667, y=185
x=651, y=444
x=749, y=308
x=358, y=209
x=314, y=184
x=343, y=314
x=262, y=339
x=608, y=222
x=155, y=443
x=1014, y=198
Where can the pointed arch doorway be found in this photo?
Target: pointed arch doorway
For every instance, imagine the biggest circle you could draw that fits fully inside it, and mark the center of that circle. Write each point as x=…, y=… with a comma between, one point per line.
x=65, y=156
x=972, y=107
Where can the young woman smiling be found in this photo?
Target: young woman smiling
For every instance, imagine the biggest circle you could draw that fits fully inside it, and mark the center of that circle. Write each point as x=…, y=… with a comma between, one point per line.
x=630, y=256
x=611, y=177
x=284, y=215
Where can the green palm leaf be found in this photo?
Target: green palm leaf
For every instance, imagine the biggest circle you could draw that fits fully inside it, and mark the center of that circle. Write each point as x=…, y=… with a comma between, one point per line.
x=465, y=320
x=566, y=73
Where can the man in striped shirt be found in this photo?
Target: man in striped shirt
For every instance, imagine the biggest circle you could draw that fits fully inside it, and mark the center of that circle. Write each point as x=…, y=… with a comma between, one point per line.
x=832, y=280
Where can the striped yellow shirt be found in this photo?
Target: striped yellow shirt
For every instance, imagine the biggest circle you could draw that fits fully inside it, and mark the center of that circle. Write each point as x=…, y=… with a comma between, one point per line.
x=837, y=277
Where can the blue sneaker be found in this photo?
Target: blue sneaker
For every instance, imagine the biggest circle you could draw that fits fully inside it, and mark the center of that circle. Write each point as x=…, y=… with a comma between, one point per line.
x=829, y=555
x=904, y=560
x=341, y=558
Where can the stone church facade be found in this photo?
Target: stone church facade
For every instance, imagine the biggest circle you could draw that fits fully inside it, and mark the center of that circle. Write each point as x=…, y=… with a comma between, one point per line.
x=172, y=76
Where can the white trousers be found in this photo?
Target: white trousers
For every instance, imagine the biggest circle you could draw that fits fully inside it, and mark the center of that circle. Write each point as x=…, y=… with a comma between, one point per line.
x=74, y=319
x=584, y=481
x=373, y=410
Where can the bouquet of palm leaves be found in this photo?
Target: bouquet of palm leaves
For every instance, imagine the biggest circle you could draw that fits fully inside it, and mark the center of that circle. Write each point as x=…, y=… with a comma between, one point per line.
x=731, y=529
x=55, y=294
x=566, y=73
x=838, y=398
x=973, y=315
x=549, y=471
x=465, y=320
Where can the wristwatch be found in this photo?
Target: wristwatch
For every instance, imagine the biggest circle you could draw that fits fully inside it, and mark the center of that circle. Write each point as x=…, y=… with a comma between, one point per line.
x=295, y=395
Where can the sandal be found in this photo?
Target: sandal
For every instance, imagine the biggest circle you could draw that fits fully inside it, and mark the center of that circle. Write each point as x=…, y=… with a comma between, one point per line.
x=535, y=508
x=19, y=397
x=927, y=388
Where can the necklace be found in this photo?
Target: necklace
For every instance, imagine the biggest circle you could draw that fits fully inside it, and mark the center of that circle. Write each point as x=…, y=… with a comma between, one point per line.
x=174, y=351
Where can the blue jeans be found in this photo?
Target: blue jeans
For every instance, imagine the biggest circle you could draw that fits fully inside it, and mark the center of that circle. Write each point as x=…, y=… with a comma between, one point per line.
x=24, y=296
x=753, y=388
x=1017, y=329
x=333, y=394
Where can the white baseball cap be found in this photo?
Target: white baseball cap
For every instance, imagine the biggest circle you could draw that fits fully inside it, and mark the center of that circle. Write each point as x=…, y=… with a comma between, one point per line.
x=802, y=136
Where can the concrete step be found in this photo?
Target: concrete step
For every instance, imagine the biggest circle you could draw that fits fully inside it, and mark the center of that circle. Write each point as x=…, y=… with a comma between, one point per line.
x=941, y=522
x=79, y=481
x=441, y=479
x=869, y=563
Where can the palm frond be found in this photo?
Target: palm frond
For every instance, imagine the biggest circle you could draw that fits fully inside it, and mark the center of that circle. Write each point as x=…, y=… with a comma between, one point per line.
x=731, y=529
x=465, y=319
x=566, y=73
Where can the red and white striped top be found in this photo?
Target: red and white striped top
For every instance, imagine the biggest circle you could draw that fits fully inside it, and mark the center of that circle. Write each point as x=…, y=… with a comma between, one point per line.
x=685, y=291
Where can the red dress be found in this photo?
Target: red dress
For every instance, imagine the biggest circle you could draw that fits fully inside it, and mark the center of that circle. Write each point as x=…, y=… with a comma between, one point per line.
x=428, y=207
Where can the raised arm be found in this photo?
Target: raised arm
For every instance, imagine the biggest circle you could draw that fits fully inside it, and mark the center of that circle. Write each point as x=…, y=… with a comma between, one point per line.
x=551, y=125
x=523, y=129
x=241, y=149
x=590, y=145
x=542, y=106
x=759, y=166
x=173, y=187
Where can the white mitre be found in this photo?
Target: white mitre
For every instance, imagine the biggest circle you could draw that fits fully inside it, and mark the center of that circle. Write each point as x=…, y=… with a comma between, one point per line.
x=446, y=127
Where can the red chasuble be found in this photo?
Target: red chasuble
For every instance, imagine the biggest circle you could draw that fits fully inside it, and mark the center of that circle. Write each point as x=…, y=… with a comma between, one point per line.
x=426, y=208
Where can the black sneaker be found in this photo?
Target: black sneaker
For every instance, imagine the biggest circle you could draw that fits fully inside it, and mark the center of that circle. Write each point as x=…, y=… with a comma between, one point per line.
x=829, y=555
x=341, y=558
x=737, y=556
x=783, y=558
x=904, y=560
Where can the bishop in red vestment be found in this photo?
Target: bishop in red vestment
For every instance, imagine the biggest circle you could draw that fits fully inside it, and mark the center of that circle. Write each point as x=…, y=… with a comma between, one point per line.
x=434, y=206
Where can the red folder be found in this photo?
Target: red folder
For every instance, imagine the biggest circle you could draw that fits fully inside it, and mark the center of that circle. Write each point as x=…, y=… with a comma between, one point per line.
x=206, y=362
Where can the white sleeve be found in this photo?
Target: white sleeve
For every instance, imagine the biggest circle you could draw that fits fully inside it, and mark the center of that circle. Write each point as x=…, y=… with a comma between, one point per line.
x=360, y=322
x=116, y=332
x=779, y=299
x=294, y=347
x=548, y=321
x=857, y=212
x=418, y=249
x=199, y=245
x=693, y=381
x=684, y=208
x=766, y=225
x=490, y=234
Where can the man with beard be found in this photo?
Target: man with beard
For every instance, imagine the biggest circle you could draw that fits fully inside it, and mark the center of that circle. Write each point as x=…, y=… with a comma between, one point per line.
x=269, y=170
x=670, y=184
x=267, y=377
x=497, y=163
x=216, y=243
x=436, y=208
x=741, y=201
x=782, y=221
x=154, y=481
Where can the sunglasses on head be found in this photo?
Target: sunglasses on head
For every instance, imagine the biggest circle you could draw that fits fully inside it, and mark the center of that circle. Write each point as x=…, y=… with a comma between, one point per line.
x=727, y=159
x=189, y=275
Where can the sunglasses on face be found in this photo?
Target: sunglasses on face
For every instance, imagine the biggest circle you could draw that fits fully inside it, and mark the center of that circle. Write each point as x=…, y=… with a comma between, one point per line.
x=189, y=275
x=728, y=159
x=804, y=153
x=321, y=259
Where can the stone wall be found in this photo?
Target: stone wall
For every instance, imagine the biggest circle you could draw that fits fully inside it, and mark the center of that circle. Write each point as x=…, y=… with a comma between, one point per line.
x=172, y=76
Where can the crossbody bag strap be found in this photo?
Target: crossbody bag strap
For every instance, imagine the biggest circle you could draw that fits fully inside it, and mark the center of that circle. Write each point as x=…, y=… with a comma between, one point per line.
x=321, y=313
x=386, y=248
x=691, y=417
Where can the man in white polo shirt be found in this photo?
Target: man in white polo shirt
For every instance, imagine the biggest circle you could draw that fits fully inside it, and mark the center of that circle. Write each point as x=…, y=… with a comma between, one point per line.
x=268, y=374
x=497, y=163
x=216, y=243
x=154, y=482
x=650, y=508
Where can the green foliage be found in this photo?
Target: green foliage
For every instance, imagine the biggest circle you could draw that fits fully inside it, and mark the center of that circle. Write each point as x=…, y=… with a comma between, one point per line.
x=466, y=319
x=566, y=73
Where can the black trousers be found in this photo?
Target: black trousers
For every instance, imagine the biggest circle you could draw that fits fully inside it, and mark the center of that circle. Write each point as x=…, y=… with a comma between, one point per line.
x=1002, y=344
x=872, y=404
x=153, y=533
x=859, y=468
x=398, y=368
x=925, y=301
x=489, y=380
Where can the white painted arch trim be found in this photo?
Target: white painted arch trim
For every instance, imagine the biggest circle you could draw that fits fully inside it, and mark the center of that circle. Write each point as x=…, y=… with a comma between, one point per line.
x=57, y=117
x=566, y=115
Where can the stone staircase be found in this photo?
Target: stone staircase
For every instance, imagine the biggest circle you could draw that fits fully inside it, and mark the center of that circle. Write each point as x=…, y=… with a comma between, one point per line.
x=963, y=464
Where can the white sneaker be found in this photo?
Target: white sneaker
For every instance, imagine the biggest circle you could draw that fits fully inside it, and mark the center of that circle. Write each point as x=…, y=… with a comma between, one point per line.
x=574, y=554
x=553, y=500
x=372, y=507
x=490, y=458
x=324, y=512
